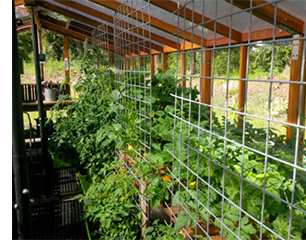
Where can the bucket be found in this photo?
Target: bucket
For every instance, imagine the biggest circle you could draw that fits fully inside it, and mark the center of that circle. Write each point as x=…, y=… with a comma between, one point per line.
x=50, y=94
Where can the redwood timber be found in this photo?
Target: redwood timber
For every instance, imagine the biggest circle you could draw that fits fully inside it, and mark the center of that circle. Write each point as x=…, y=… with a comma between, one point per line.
x=104, y=17
x=294, y=91
x=205, y=82
x=183, y=68
x=157, y=23
x=133, y=63
x=242, y=84
x=152, y=62
x=41, y=52
x=164, y=61
x=284, y=20
x=66, y=56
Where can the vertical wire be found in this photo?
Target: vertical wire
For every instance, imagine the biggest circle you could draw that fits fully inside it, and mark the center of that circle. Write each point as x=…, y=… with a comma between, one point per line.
x=268, y=125
x=150, y=45
x=297, y=135
x=189, y=117
x=182, y=108
x=211, y=113
x=226, y=117
x=175, y=114
x=244, y=120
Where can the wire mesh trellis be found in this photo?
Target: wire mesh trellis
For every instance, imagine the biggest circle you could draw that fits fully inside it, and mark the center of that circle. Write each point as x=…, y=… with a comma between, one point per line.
x=132, y=48
x=248, y=182
x=100, y=44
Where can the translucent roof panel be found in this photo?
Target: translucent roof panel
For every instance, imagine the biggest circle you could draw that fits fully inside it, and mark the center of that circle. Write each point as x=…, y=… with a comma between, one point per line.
x=298, y=11
x=226, y=14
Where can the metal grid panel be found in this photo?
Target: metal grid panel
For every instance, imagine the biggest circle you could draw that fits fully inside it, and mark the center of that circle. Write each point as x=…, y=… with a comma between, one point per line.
x=100, y=43
x=133, y=76
x=237, y=193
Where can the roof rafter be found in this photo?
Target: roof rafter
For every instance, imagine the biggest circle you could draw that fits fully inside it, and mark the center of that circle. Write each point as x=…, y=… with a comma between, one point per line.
x=93, y=12
x=62, y=25
x=284, y=20
x=18, y=2
x=72, y=34
x=156, y=23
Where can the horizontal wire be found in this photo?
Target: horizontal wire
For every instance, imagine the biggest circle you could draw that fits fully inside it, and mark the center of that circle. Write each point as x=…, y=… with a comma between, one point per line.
x=237, y=112
x=241, y=145
x=246, y=213
x=242, y=79
x=241, y=177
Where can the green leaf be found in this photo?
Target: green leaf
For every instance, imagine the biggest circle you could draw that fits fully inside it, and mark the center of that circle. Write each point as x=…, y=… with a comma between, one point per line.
x=148, y=230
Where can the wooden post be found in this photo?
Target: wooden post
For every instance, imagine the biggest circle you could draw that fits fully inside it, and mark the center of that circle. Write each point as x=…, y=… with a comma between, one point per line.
x=152, y=59
x=206, y=83
x=145, y=209
x=242, y=74
x=164, y=62
x=156, y=58
x=294, y=89
x=141, y=61
x=111, y=59
x=40, y=52
x=183, y=68
x=66, y=59
x=133, y=63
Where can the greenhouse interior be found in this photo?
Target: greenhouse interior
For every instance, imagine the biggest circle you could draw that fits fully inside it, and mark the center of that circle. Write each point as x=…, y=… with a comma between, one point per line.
x=172, y=119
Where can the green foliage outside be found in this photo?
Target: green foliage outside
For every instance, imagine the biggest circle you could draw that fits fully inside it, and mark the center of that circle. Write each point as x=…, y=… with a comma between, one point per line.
x=259, y=63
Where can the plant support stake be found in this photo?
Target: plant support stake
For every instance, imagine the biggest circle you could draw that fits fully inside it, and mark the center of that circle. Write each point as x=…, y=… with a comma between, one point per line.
x=21, y=180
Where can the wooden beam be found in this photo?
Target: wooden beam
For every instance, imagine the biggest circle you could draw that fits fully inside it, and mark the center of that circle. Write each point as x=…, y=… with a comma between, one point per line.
x=29, y=3
x=60, y=31
x=156, y=23
x=18, y=2
x=37, y=21
x=197, y=18
x=82, y=26
x=20, y=30
x=111, y=59
x=124, y=64
x=242, y=75
x=59, y=26
x=284, y=20
x=265, y=34
x=108, y=18
x=164, y=61
x=205, y=82
x=141, y=61
x=294, y=89
x=41, y=52
x=183, y=68
x=133, y=63
x=66, y=59
x=67, y=13
x=68, y=23
x=152, y=61
x=24, y=27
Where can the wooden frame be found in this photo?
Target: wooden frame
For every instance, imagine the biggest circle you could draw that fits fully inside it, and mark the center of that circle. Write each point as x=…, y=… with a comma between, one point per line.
x=205, y=82
x=66, y=56
x=242, y=75
x=294, y=90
